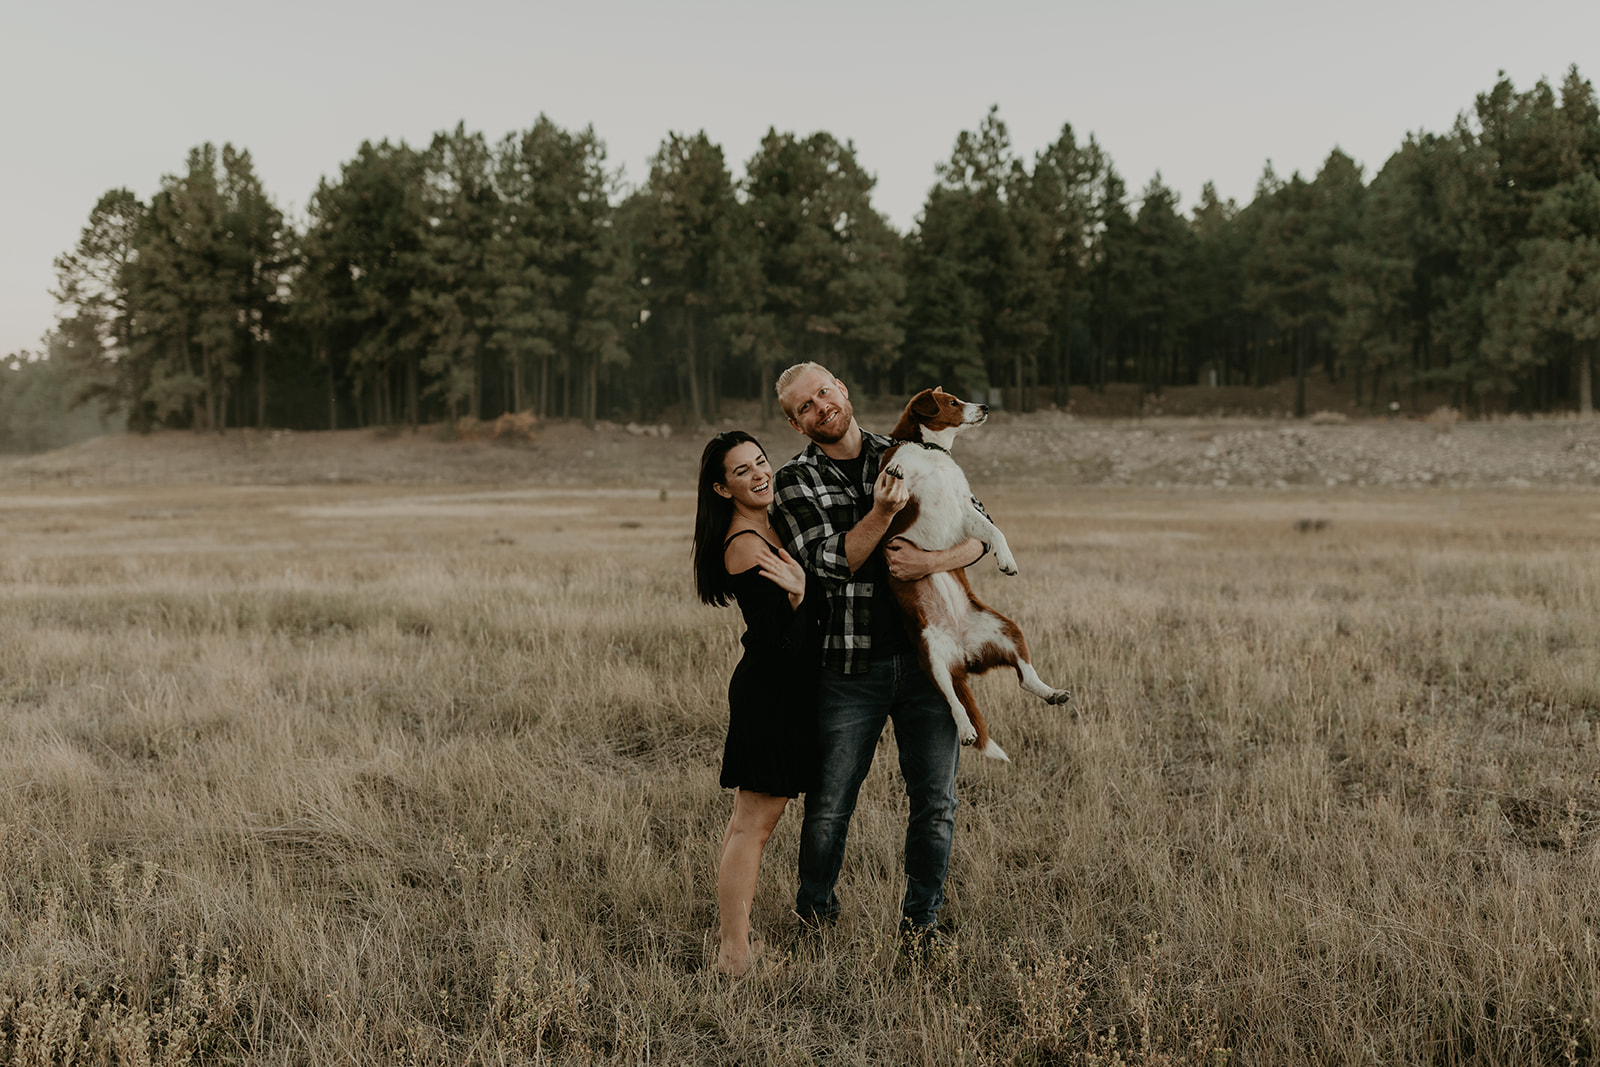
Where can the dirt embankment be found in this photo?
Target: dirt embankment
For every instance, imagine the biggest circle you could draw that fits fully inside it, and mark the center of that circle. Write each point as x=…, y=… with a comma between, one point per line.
x=1282, y=454
x=1046, y=448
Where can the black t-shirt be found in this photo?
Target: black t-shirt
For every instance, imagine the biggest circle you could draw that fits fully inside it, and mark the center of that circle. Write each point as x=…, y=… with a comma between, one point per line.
x=888, y=628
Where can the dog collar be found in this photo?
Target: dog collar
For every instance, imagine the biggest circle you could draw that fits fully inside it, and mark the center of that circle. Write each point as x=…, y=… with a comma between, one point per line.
x=934, y=447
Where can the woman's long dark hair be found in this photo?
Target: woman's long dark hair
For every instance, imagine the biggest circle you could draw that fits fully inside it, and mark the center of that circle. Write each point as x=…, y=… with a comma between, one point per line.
x=712, y=514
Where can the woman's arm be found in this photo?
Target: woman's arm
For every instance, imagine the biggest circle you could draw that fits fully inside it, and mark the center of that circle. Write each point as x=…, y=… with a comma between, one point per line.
x=778, y=567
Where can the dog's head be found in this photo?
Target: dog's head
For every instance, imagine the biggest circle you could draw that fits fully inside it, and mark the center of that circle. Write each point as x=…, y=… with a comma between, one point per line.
x=935, y=416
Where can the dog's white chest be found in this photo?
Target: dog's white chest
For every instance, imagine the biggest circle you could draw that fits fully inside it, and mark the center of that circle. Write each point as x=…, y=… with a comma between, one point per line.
x=942, y=495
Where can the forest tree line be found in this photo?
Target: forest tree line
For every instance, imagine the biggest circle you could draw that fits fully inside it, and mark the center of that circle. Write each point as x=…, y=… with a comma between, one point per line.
x=471, y=278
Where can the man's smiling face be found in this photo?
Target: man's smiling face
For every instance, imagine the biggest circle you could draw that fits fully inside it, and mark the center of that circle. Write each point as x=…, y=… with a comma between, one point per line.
x=819, y=407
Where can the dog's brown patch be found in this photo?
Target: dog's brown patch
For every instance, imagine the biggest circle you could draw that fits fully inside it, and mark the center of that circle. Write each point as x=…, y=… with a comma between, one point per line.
x=933, y=408
x=923, y=610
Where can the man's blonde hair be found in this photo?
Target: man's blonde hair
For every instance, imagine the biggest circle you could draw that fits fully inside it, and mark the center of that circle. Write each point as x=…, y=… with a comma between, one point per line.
x=787, y=378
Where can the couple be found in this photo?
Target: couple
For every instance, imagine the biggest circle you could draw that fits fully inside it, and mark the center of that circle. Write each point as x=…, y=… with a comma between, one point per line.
x=797, y=551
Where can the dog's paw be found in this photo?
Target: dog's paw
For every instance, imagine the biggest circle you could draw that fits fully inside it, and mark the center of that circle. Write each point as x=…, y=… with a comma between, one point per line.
x=894, y=471
x=1060, y=696
x=1007, y=564
x=969, y=735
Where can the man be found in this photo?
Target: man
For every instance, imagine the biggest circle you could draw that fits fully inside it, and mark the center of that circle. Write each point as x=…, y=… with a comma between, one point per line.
x=831, y=507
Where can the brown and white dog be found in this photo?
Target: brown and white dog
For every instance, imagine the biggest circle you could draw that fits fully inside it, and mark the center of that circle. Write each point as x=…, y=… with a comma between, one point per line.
x=956, y=634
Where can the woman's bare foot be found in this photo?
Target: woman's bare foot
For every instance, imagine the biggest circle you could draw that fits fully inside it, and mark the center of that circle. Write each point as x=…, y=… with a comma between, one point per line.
x=735, y=963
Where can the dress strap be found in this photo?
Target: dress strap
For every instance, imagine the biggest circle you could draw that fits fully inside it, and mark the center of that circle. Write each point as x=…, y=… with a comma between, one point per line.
x=741, y=533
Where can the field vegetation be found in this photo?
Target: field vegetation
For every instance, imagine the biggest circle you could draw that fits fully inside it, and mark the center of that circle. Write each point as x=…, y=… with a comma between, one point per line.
x=331, y=774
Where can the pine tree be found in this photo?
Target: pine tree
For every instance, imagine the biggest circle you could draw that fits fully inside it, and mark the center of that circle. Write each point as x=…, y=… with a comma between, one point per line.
x=1217, y=286
x=94, y=326
x=212, y=254
x=695, y=262
x=830, y=287
x=982, y=294
x=559, y=282
x=256, y=256
x=1551, y=299
x=1060, y=193
x=1111, y=274
x=362, y=257
x=454, y=293
x=1160, y=258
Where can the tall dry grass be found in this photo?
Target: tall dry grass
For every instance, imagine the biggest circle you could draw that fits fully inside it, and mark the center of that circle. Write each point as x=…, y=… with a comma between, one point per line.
x=322, y=776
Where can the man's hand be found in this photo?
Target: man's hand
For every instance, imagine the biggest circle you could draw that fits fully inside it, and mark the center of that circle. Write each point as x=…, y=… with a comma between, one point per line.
x=890, y=492
x=908, y=563
x=889, y=495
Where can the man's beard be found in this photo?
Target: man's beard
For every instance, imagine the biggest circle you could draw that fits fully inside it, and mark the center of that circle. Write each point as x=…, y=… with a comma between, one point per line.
x=834, y=432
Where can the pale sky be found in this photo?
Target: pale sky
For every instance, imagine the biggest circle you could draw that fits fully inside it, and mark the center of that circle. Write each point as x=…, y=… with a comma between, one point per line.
x=101, y=95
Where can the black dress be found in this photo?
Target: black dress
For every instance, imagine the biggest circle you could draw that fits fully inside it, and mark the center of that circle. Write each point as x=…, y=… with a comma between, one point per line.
x=772, y=722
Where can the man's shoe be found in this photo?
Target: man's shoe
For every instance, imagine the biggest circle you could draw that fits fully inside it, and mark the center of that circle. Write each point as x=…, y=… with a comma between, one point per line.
x=808, y=934
x=924, y=944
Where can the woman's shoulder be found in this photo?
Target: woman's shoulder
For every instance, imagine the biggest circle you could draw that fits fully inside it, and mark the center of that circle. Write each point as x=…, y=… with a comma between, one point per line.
x=741, y=553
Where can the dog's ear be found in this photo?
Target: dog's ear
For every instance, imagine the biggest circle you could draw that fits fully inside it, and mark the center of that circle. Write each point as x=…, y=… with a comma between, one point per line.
x=924, y=403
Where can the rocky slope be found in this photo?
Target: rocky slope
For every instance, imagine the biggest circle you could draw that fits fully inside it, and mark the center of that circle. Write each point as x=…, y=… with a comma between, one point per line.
x=1041, y=449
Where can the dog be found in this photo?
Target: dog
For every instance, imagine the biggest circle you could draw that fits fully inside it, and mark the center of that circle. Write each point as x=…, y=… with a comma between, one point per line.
x=956, y=635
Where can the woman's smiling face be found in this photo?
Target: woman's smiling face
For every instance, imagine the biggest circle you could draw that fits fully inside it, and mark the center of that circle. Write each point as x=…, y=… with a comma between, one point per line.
x=746, y=477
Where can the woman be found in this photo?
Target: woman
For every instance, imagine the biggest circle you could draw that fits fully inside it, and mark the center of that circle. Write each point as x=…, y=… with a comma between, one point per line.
x=771, y=752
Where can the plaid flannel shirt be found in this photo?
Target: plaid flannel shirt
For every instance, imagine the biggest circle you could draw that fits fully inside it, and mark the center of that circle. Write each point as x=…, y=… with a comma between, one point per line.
x=813, y=506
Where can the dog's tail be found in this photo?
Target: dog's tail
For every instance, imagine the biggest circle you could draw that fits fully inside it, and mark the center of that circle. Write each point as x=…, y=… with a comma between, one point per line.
x=994, y=751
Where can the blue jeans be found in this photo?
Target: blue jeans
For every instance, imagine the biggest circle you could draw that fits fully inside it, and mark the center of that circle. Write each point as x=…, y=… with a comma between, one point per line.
x=851, y=712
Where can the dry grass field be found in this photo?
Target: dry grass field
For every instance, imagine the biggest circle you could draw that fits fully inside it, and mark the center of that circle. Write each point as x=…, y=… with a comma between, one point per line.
x=377, y=773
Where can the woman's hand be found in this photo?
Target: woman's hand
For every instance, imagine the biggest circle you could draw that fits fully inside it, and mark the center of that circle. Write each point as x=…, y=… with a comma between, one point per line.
x=781, y=569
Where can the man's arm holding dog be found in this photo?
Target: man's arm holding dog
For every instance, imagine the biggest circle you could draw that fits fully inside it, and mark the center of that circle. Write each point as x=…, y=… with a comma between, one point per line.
x=889, y=494
x=835, y=555
x=908, y=563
